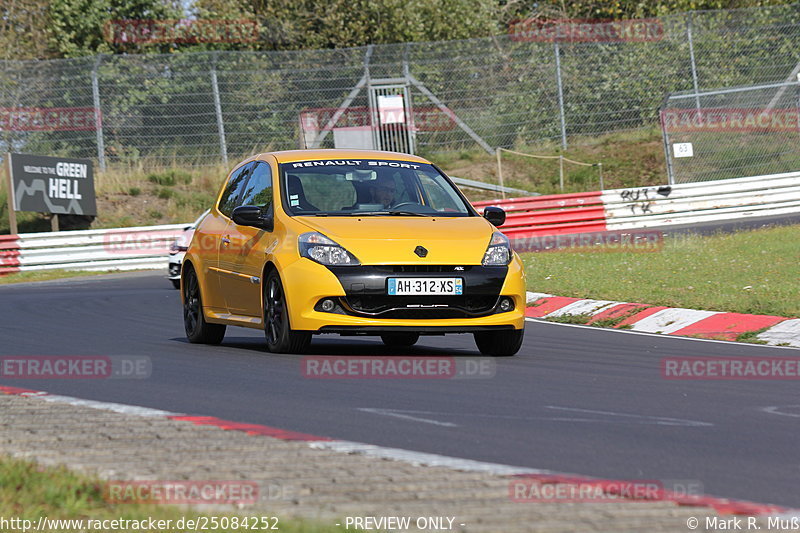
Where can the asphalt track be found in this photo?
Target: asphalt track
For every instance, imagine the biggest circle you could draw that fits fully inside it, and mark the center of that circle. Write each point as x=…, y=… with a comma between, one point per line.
x=575, y=399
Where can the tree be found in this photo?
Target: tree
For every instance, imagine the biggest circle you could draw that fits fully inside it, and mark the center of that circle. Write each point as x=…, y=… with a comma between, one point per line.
x=81, y=27
x=23, y=29
x=300, y=24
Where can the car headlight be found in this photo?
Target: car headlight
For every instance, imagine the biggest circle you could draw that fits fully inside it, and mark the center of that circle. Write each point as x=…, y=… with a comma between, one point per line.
x=175, y=248
x=498, y=252
x=321, y=249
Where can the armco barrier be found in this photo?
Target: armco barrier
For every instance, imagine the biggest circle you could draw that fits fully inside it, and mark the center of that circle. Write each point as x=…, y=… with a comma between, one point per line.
x=107, y=249
x=650, y=207
x=551, y=215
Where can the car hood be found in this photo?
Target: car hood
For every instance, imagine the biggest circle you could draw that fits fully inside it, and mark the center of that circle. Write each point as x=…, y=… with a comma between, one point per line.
x=392, y=240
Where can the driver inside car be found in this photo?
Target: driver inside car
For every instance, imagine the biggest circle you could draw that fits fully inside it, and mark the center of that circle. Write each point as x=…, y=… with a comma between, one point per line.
x=383, y=191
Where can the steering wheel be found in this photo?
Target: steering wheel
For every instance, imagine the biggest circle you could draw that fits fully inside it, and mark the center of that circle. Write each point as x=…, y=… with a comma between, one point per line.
x=402, y=204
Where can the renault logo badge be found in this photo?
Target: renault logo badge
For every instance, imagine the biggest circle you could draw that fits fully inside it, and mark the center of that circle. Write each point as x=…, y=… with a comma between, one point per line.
x=420, y=251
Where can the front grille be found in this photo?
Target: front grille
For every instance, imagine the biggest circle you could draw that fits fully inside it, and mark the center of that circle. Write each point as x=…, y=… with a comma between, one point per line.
x=420, y=306
x=394, y=269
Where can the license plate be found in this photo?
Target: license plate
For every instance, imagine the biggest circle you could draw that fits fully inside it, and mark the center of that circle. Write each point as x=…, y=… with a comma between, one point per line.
x=425, y=286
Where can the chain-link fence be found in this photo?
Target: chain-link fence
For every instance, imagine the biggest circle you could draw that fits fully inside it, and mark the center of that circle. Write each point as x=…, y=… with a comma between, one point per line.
x=732, y=132
x=504, y=91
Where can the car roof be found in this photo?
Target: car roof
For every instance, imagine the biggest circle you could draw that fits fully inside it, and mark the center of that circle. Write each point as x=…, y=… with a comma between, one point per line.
x=288, y=156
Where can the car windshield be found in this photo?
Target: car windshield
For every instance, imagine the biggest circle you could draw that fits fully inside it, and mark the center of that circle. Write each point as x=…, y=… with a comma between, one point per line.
x=369, y=187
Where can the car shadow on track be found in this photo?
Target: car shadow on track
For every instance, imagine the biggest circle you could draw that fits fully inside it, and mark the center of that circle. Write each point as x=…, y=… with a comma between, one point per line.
x=367, y=346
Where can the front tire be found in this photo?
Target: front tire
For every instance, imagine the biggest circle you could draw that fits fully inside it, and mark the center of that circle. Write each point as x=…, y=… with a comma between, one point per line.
x=400, y=339
x=198, y=331
x=503, y=343
x=280, y=338
x=176, y=283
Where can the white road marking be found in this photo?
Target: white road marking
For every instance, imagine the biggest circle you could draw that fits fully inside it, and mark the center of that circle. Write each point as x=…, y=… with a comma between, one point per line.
x=609, y=417
x=398, y=414
x=775, y=410
x=658, y=420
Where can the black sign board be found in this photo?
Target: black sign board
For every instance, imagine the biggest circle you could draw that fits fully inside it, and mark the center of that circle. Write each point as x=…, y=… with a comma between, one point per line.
x=57, y=185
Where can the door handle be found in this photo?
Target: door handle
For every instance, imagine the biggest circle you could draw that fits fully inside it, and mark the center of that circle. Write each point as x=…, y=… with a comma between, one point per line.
x=226, y=240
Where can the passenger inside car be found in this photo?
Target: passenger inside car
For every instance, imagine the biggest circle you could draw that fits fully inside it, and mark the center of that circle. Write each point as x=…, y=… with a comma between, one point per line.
x=296, y=194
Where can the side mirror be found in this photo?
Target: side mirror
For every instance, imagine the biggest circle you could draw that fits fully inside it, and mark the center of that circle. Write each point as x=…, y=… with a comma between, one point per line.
x=495, y=215
x=250, y=215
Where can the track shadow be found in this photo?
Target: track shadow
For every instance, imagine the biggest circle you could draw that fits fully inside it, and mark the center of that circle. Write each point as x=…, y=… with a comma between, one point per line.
x=367, y=346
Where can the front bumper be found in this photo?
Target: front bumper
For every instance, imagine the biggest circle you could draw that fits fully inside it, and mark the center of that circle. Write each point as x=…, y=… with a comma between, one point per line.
x=366, y=292
x=363, y=307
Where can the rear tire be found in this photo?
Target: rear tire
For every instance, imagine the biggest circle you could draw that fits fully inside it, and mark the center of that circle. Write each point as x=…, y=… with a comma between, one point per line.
x=280, y=338
x=503, y=343
x=176, y=283
x=400, y=339
x=198, y=331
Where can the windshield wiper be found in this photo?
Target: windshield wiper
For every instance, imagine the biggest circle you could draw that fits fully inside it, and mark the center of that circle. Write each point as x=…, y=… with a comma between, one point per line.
x=409, y=213
x=387, y=212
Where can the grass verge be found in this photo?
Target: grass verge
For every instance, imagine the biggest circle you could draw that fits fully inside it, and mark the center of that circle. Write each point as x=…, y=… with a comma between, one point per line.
x=752, y=271
x=29, y=491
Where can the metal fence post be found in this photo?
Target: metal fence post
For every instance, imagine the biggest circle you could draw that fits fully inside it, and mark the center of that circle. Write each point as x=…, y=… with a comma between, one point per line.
x=560, y=97
x=500, y=172
x=98, y=119
x=223, y=147
x=691, y=56
x=665, y=138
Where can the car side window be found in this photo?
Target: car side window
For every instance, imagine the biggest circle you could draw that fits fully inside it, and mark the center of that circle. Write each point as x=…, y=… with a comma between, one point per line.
x=258, y=191
x=233, y=190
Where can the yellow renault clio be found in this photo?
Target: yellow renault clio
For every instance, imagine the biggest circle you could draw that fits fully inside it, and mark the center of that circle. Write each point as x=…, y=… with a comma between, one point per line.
x=350, y=242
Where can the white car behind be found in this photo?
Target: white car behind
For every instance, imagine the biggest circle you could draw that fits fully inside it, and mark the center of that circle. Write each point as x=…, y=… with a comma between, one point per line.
x=178, y=249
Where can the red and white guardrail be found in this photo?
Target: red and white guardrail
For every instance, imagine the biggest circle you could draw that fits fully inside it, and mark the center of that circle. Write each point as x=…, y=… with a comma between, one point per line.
x=649, y=207
x=105, y=249
x=558, y=214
